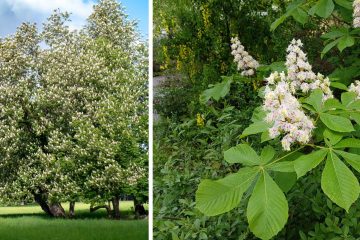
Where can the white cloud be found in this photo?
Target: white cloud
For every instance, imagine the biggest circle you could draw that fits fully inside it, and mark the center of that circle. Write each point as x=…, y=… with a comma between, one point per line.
x=17, y=11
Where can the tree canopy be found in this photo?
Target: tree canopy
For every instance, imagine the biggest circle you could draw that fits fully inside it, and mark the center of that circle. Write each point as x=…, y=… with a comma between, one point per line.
x=73, y=111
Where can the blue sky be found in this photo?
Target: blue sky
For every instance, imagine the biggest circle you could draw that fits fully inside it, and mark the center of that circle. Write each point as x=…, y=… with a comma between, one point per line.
x=14, y=12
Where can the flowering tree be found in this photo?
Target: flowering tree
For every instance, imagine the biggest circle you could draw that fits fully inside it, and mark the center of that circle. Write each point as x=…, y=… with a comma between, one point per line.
x=77, y=128
x=301, y=114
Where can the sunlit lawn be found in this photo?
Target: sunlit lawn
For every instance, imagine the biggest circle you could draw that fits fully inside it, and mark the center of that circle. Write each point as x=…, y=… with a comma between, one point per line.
x=30, y=223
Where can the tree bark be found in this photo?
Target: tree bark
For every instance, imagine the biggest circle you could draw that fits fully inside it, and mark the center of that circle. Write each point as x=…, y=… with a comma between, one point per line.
x=57, y=210
x=107, y=207
x=139, y=209
x=116, y=207
x=52, y=209
x=72, y=209
x=39, y=198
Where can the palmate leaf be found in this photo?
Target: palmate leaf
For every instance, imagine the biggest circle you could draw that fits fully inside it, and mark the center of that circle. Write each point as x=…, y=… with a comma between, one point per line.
x=323, y=8
x=220, y=196
x=348, y=142
x=346, y=41
x=347, y=98
x=336, y=123
x=267, y=210
x=217, y=91
x=256, y=127
x=242, y=153
x=339, y=183
x=300, y=15
x=351, y=158
x=305, y=163
x=356, y=117
x=332, y=137
x=329, y=46
x=285, y=180
x=267, y=154
x=315, y=100
x=285, y=166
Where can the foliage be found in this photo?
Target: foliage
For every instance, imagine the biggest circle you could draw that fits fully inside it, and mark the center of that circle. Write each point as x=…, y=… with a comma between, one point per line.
x=74, y=113
x=192, y=45
x=267, y=209
x=309, y=193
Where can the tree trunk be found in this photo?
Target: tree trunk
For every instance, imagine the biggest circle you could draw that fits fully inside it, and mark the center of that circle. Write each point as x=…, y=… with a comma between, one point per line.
x=109, y=210
x=72, y=209
x=116, y=207
x=57, y=210
x=53, y=209
x=39, y=198
x=139, y=209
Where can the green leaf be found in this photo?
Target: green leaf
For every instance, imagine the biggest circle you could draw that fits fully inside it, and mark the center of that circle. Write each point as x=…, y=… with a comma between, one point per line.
x=278, y=21
x=347, y=98
x=339, y=86
x=294, y=5
x=277, y=66
x=265, y=137
x=220, y=196
x=346, y=75
x=337, y=123
x=332, y=103
x=348, y=142
x=339, y=183
x=328, y=47
x=351, y=158
x=315, y=99
x=267, y=154
x=305, y=163
x=174, y=236
x=344, y=3
x=218, y=91
x=256, y=127
x=282, y=167
x=332, y=137
x=346, y=41
x=354, y=105
x=323, y=8
x=242, y=153
x=300, y=15
x=336, y=33
x=267, y=210
x=356, y=117
x=285, y=180
x=258, y=114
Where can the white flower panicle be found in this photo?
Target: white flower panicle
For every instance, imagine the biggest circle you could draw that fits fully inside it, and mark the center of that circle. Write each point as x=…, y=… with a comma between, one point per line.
x=282, y=106
x=244, y=61
x=285, y=112
x=356, y=14
x=300, y=74
x=355, y=87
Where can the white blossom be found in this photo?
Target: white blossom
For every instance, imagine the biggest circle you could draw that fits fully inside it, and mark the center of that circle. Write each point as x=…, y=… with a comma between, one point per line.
x=299, y=72
x=280, y=101
x=285, y=112
x=355, y=87
x=356, y=14
x=245, y=62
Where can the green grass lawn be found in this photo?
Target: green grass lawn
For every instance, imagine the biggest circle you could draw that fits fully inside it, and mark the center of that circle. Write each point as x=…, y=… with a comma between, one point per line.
x=30, y=223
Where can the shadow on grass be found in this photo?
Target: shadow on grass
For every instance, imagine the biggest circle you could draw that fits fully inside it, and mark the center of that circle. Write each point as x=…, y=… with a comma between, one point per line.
x=80, y=214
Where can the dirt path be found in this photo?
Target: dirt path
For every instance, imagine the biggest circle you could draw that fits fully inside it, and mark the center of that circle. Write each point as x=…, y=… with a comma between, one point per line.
x=156, y=83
